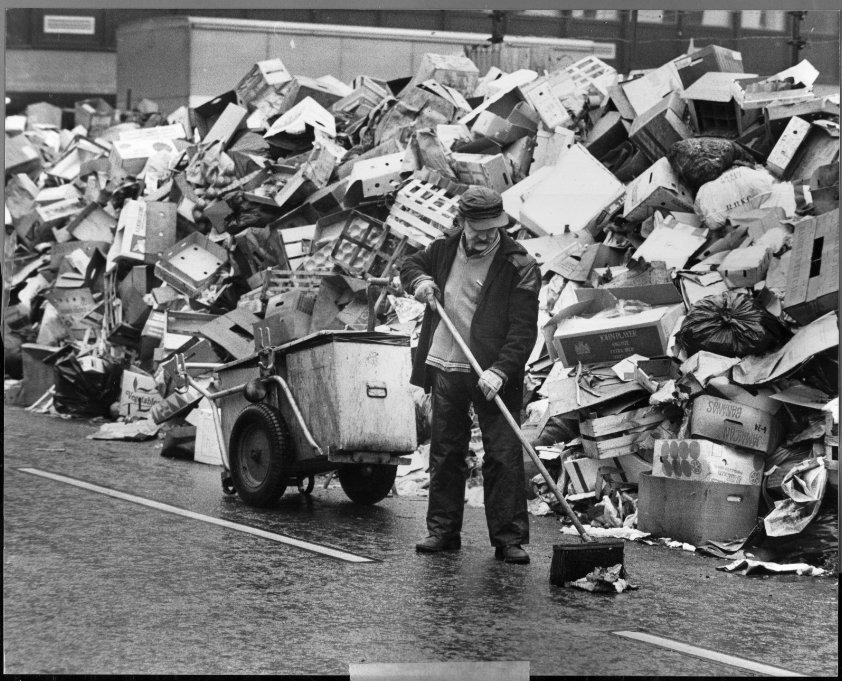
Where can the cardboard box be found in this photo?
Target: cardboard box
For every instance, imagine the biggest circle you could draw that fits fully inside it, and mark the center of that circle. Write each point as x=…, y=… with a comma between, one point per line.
x=696, y=512
x=138, y=394
x=539, y=94
x=813, y=277
x=226, y=125
x=483, y=169
x=608, y=133
x=580, y=336
x=658, y=128
x=787, y=145
x=657, y=188
x=131, y=155
x=43, y=113
x=712, y=106
x=575, y=194
x=733, y=423
x=261, y=86
x=191, y=264
x=745, y=266
x=505, y=128
x=820, y=148
x=453, y=70
x=653, y=284
x=705, y=461
x=711, y=58
x=148, y=229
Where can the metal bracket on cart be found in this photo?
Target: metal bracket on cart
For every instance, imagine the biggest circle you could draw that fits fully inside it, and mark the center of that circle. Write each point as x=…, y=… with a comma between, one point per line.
x=387, y=458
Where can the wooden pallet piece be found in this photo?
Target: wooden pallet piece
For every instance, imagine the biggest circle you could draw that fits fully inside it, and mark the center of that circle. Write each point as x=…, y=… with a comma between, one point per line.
x=422, y=212
x=609, y=436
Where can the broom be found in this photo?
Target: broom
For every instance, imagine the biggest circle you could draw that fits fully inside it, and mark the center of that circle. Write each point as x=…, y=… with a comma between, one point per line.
x=570, y=561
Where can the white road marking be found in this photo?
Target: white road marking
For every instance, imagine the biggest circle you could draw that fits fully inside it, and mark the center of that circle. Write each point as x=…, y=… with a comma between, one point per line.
x=307, y=546
x=706, y=654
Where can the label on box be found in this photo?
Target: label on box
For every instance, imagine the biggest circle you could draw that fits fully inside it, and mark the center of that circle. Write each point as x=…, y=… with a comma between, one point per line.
x=138, y=394
x=734, y=424
x=706, y=461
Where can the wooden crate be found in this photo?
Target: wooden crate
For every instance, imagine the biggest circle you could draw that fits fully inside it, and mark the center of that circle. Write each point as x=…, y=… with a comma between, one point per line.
x=422, y=212
x=609, y=436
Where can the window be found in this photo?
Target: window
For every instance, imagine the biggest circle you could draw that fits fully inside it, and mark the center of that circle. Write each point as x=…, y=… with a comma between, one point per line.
x=716, y=17
x=598, y=14
x=656, y=16
x=771, y=20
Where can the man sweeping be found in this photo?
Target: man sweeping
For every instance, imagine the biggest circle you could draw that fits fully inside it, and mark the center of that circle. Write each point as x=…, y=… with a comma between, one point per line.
x=488, y=285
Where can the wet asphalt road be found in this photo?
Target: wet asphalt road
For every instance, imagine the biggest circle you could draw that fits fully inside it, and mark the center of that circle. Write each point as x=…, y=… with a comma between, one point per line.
x=93, y=584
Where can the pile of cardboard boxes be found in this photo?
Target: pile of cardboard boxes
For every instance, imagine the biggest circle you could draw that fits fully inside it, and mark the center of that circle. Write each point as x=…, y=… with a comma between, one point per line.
x=286, y=205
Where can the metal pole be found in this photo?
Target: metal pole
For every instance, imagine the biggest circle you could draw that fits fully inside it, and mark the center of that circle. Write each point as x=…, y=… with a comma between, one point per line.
x=796, y=42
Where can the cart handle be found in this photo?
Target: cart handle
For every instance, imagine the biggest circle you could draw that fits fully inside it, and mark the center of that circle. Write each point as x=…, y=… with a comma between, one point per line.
x=239, y=388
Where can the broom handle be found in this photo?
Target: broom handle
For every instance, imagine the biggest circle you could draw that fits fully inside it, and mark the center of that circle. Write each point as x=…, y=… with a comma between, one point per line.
x=512, y=423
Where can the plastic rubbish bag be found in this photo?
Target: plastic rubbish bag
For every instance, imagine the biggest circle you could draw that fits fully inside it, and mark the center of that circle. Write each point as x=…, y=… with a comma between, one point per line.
x=730, y=324
x=736, y=189
x=703, y=159
x=86, y=386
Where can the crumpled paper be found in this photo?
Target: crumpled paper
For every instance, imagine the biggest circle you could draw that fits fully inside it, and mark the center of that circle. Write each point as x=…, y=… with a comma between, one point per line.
x=137, y=431
x=745, y=566
x=804, y=485
x=603, y=580
x=602, y=532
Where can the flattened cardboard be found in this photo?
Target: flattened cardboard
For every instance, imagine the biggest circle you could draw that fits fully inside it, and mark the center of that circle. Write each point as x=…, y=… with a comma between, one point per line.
x=813, y=277
x=808, y=341
x=732, y=423
x=672, y=245
x=232, y=331
x=705, y=461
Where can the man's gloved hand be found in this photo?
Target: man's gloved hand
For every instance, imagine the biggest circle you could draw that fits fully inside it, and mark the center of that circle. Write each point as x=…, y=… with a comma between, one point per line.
x=427, y=290
x=490, y=383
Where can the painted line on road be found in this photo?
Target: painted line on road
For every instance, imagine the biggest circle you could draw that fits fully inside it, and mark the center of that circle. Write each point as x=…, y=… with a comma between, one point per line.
x=706, y=654
x=307, y=546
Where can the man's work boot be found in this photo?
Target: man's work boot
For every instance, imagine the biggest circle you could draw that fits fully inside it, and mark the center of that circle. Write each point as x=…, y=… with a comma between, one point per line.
x=433, y=544
x=513, y=553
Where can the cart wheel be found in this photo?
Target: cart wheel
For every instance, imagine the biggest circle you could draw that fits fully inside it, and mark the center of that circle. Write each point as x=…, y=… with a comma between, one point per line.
x=259, y=445
x=305, y=485
x=367, y=483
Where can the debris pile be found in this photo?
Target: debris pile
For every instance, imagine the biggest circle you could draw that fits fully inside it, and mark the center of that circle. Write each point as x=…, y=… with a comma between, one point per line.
x=685, y=220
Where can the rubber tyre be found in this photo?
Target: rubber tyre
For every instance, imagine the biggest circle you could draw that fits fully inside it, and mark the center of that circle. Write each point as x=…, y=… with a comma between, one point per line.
x=259, y=445
x=367, y=483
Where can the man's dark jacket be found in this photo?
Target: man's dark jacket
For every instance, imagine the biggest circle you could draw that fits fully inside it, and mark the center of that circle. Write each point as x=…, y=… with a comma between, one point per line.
x=505, y=325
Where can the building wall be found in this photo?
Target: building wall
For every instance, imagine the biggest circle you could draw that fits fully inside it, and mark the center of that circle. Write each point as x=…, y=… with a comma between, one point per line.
x=644, y=40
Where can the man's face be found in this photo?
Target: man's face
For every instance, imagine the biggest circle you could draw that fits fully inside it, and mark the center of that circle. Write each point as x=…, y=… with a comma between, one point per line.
x=477, y=240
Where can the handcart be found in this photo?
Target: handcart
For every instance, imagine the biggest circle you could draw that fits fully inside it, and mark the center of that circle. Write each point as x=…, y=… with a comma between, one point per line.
x=330, y=401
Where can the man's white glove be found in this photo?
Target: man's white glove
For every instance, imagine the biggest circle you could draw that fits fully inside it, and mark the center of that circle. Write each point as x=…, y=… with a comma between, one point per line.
x=426, y=291
x=490, y=383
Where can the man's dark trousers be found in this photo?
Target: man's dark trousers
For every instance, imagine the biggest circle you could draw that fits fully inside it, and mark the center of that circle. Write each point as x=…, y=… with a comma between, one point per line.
x=502, y=466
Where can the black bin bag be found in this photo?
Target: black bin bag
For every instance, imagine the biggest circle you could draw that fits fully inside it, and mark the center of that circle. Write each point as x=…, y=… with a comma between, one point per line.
x=730, y=324
x=82, y=392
